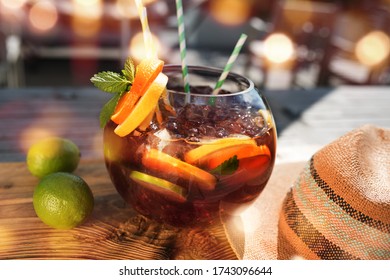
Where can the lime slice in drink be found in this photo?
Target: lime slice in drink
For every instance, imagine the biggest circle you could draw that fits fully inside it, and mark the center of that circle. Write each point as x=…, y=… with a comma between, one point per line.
x=162, y=186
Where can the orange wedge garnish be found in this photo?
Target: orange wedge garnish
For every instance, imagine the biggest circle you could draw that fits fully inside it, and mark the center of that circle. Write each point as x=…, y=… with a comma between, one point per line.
x=144, y=106
x=124, y=107
x=146, y=122
x=172, y=167
x=146, y=73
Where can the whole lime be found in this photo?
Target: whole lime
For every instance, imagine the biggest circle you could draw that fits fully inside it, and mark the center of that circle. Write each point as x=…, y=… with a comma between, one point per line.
x=51, y=155
x=63, y=200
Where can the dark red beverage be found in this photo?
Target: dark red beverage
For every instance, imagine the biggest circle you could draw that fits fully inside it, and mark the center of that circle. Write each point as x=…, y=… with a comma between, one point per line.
x=195, y=152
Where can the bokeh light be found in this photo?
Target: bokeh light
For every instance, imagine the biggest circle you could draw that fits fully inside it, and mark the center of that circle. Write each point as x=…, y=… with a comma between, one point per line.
x=87, y=4
x=33, y=134
x=43, y=15
x=230, y=12
x=146, y=2
x=137, y=47
x=298, y=13
x=41, y=127
x=278, y=48
x=373, y=48
x=126, y=8
x=86, y=21
x=13, y=4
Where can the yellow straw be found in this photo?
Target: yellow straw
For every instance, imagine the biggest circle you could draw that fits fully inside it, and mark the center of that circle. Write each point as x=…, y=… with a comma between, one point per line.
x=148, y=39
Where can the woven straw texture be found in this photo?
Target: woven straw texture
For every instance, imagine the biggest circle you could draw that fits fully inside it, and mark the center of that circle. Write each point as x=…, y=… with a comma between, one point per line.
x=339, y=206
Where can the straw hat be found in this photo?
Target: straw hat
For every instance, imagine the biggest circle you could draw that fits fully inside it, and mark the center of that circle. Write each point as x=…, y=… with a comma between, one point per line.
x=336, y=206
x=339, y=207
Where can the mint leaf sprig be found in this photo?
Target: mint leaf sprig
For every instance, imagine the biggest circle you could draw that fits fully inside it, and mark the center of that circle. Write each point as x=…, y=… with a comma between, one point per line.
x=227, y=167
x=129, y=71
x=108, y=110
x=116, y=84
x=111, y=82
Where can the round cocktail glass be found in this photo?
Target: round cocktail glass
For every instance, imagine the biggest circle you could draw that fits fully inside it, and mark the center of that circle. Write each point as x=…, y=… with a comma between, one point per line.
x=196, y=151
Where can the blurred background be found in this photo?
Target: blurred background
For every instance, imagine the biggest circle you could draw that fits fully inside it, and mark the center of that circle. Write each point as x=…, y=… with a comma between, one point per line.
x=291, y=43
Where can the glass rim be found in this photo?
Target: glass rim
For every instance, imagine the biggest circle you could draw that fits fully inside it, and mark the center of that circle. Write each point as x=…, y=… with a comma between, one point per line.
x=217, y=71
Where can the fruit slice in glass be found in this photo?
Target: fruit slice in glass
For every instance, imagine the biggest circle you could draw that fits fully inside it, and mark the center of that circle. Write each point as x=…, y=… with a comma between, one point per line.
x=168, y=167
x=168, y=189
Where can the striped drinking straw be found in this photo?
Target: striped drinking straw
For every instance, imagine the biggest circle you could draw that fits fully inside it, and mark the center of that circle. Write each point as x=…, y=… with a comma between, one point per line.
x=183, y=51
x=230, y=63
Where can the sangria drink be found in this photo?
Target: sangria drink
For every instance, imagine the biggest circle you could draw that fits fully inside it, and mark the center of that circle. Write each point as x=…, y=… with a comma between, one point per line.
x=195, y=150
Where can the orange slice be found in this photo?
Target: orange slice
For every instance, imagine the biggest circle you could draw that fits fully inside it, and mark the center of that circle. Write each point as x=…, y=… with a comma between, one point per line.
x=144, y=106
x=124, y=107
x=146, y=122
x=195, y=155
x=242, y=151
x=249, y=169
x=146, y=73
x=172, y=167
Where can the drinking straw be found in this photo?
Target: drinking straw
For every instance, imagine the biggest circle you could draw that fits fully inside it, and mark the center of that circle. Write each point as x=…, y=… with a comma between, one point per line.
x=148, y=40
x=229, y=64
x=182, y=41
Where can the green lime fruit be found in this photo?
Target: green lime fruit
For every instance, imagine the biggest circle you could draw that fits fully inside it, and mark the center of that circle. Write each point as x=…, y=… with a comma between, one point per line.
x=52, y=155
x=63, y=200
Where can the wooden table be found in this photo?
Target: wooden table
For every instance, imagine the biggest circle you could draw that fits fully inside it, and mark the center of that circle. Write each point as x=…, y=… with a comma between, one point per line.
x=306, y=120
x=114, y=231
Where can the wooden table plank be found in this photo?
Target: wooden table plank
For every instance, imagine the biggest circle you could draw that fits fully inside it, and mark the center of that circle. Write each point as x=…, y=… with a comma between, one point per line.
x=306, y=120
x=114, y=230
x=27, y=115
x=309, y=120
